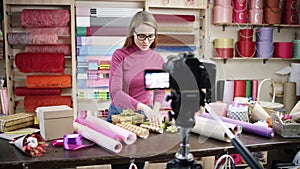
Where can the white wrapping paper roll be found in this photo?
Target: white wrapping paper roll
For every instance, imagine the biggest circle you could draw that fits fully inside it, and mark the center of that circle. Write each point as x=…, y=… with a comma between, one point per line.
x=98, y=138
x=127, y=136
x=211, y=128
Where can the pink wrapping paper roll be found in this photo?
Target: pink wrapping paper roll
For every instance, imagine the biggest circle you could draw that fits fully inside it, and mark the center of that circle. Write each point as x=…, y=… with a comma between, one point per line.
x=20, y=38
x=98, y=129
x=40, y=62
x=45, y=18
x=60, y=31
x=61, y=48
x=98, y=138
x=127, y=136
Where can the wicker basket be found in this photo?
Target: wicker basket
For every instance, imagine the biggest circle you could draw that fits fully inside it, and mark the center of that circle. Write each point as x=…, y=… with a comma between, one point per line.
x=269, y=106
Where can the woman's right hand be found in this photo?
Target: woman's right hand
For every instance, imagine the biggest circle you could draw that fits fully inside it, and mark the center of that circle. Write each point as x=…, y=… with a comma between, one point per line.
x=154, y=117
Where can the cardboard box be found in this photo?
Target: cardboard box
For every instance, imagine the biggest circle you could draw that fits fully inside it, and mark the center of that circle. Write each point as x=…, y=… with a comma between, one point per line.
x=55, y=121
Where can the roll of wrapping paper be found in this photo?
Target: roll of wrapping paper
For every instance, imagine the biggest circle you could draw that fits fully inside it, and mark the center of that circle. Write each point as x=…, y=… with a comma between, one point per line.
x=139, y=131
x=289, y=95
x=254, y=89
x=175, y=48
x=60, y=31
x=24, y=91
x=110, y=21
x=101, y=125
x=106, y=31
x=64, y=49
x=228, y=91
x=248, y=92
x=45, y=18
x=209, y=128
x=171, y=39
x=247, y=127
x=32, y=102
x=239, y=88
x=98, y=138
x=173, y=18
x=40, y=62
x=48, y=81
x=17, y=38
x=152, y=128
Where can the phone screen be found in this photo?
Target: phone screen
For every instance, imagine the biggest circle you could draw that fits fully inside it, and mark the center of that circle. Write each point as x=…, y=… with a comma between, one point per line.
x=156, y=79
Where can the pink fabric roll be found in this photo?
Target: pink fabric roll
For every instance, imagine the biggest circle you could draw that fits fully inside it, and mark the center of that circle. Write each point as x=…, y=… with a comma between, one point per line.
x=59, y=30
x=61, y=48
x=24, y=91
x=45, y=18
x=32, y=38
x=40, y=62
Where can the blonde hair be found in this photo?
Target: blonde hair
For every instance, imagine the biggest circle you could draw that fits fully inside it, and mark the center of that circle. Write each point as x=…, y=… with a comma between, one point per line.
x=141, y=17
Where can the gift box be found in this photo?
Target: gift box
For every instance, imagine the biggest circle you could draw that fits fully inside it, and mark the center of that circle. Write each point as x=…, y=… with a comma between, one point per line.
x=16, y=121
x=134, y=118
x=55, y=121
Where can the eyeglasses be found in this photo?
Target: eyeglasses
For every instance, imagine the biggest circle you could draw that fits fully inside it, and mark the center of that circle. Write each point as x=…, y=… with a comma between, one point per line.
x=143, y=37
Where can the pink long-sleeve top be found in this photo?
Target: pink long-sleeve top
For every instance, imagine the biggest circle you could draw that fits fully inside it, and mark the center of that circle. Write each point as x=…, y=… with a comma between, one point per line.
x=126, y=83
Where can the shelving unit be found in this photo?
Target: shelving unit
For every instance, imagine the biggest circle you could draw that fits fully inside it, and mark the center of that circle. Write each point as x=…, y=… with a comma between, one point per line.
x=92, y=91
x=15, y=78
x=197, y=8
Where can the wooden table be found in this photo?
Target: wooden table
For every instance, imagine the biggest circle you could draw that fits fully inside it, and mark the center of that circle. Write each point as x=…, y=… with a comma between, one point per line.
x=157, y=148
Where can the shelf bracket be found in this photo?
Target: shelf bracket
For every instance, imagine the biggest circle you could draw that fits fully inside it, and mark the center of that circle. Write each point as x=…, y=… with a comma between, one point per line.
x=224, y=26
x=224, y=61
x=278, y=29
x=264, y=61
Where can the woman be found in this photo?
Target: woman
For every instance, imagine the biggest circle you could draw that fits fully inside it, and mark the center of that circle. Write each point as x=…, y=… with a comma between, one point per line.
x=126, y=83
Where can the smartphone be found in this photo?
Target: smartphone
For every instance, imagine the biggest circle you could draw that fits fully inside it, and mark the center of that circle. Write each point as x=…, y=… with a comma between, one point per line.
x=156, y=79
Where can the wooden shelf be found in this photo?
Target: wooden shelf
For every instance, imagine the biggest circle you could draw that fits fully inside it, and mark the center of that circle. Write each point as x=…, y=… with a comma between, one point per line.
x=264, y=60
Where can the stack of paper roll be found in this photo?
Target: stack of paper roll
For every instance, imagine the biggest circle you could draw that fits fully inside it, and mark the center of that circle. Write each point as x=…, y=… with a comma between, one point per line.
x=211, y=128
x=103, y=133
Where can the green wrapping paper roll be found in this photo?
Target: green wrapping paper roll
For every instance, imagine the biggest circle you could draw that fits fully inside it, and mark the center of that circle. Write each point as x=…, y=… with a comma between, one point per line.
x=248, y=88
x=81, y=31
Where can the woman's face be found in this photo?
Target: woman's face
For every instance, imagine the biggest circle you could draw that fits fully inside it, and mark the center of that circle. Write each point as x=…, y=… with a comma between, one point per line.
x=144, y=36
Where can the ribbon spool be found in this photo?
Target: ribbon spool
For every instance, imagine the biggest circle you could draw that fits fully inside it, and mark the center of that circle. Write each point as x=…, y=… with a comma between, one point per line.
x=74, y=142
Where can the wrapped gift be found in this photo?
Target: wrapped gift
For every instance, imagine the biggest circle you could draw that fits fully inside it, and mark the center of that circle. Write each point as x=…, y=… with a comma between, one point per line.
x=16, y=121
x=128, y=115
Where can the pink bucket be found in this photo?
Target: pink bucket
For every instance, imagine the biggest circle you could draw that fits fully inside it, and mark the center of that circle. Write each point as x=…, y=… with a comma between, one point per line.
x=222, y=14
x=290, y=17
x=256, y=4
x=256, y=16
x=289, y=5
x=283, y=50
x=239, y=5
x=222, y=2
x=239, y=16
